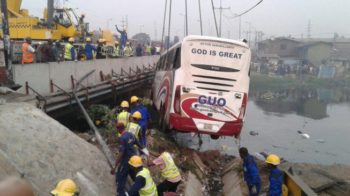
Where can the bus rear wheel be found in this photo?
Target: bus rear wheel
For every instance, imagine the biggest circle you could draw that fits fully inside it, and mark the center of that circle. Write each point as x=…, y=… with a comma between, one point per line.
x=214, y=137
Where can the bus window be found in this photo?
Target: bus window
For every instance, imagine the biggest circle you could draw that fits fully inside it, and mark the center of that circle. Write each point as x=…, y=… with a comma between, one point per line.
x=177, y=61
x=170, y=60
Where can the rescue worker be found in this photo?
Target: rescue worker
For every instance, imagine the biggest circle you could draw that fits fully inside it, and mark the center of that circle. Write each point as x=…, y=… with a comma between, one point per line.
x=276, y=175
x=169, y=172
x=128, y=50
x=124, y=115
x=145, y=117
x=89, y=49
x=123, y=37
x=100, y=53
x=126, y=141
x=133, y=126
x=69, y=50
x=143, y=184
x=116, y=50
x=66, y=187
x=27, y=51
x=15, y=186
x=251, y=172
x=47, y=54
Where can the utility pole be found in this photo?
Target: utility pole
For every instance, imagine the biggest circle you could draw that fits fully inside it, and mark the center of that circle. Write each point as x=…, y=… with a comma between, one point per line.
x=186, y=21
x=221, y=9
x=309, y=30
x=216, y=23
x=239, y=27
x=6, y=33
x=200, y=16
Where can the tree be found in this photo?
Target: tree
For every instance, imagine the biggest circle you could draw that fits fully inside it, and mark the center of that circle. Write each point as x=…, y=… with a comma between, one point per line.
x=142, y=38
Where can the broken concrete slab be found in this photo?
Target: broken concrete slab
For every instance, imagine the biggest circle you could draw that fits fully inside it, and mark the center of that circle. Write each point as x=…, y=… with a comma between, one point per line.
x=193, y=186
x=42, y=150
x=232, y=179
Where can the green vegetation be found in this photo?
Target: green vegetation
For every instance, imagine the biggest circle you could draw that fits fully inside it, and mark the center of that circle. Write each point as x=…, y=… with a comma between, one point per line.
x=265, y=82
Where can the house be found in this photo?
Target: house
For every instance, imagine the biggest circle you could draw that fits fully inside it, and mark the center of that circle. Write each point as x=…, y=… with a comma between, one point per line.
x=315, y=53
x=281, y=46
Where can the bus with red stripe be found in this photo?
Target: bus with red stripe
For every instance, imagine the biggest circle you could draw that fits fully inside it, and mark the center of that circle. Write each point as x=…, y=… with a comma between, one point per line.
x=201, y=85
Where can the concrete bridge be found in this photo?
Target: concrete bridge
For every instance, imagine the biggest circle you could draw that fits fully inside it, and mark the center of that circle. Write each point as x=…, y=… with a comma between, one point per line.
x=52, y=83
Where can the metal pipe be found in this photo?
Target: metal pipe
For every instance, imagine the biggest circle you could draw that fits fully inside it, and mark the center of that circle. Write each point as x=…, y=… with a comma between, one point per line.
x=105, y=149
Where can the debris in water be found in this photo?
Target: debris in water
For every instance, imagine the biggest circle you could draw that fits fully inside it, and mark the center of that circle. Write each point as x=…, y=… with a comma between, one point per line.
x=253, y=133
x=320, y=141
x=260, y=155
x=304, y=135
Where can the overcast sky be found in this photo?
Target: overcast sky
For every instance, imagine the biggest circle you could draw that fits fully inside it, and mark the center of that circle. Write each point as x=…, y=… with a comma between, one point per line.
x=273, y=17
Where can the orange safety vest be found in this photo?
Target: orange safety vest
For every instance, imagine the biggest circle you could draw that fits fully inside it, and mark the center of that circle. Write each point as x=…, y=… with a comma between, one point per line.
x=27, y=57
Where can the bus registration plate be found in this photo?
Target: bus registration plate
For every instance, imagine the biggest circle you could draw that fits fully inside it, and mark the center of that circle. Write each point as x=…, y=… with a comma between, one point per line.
x=208, y=126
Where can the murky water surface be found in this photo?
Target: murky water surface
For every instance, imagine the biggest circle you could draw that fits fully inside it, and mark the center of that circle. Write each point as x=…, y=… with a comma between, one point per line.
x=274, y=119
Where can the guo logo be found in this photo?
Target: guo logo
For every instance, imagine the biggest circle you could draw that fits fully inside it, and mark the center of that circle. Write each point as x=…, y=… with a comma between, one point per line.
x=211, y=100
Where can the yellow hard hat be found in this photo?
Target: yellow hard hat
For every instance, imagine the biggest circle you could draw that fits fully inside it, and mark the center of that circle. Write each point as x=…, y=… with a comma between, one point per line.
x=135, y=161
x=127, y=43
x=134, y=99
x=116, y=42
x=88, y=39
x=273, y=159
x=124, y=104
x=137, y=115
x=71, y=39
x=66, y=187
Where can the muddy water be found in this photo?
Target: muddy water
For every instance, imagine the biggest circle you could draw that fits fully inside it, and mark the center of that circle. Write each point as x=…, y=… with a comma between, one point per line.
x=275, y=117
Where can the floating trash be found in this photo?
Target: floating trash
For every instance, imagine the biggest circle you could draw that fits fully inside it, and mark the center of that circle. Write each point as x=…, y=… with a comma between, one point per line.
x=253, y=133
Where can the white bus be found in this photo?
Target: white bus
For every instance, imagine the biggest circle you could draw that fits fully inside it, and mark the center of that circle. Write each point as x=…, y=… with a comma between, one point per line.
x=201, y=85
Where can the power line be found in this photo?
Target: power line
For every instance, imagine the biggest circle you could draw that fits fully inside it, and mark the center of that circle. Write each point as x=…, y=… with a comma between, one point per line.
x=248, y=10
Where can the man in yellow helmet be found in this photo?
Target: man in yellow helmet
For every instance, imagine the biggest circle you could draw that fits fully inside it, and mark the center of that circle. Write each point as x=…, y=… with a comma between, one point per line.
x=89, y=49
x=66, y=187
x=145, y=117
x=276, y=175
x=169, y=172
x=69, y=50
x=124, y=116
x=133, y=126
x=126, y=141
x=116, y=50
x=143, y=184
x=128, y=51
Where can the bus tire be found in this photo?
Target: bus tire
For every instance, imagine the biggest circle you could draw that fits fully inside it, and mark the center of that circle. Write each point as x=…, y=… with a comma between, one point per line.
x=214, y=137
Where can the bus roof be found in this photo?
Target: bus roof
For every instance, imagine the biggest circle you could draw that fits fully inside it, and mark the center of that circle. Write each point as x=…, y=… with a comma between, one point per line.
x=209, y=38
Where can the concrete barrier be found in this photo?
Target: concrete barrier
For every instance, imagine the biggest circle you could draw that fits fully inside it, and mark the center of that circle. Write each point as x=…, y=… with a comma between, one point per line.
x=38, y=76
x=232, y=180
x=193, y=186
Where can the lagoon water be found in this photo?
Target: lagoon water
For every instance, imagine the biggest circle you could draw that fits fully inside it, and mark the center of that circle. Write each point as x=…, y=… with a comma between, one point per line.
x=277, y=116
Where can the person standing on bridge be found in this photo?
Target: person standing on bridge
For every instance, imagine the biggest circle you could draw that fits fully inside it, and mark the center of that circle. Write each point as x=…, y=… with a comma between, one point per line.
x=144, y=184
x=127, y=141
x=251, y=172
x=69, y=50
x=145, y=117
x=89, y=49
x=128, y=52
x=276, y=175
x=27, y=51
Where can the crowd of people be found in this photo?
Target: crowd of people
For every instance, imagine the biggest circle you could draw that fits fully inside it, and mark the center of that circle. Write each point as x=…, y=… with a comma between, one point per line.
x=134, y=160
x=56, y=51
